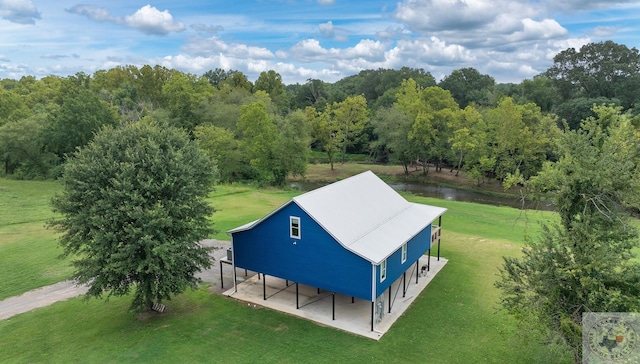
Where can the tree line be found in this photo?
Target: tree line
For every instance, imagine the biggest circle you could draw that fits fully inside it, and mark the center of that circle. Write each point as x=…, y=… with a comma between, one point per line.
x=265, y=130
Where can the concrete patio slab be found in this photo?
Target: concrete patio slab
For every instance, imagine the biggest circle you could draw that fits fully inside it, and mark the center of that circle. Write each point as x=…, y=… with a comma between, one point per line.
x=352, y=316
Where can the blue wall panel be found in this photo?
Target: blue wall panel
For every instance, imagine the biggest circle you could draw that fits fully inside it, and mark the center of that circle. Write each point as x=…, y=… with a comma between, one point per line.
x=315, y=259
x=416, y=247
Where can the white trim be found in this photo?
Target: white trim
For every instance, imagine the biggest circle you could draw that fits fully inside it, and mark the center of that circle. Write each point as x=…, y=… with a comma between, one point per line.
x=383, y=264
x=298, y=227
x=403, y=253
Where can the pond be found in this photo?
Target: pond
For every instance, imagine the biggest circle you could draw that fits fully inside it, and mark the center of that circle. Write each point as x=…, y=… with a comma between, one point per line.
x=446, y=193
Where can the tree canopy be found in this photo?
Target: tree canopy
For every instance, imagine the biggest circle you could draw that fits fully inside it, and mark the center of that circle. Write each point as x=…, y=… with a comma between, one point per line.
x=584, y=263
x=134, y=209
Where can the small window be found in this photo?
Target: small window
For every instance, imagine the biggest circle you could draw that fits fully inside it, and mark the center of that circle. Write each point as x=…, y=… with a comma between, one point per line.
x=404, y=253
x=294, y=231
x=383, y=270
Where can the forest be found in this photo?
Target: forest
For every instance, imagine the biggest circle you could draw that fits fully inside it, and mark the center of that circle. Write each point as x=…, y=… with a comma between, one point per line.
x=265, y=130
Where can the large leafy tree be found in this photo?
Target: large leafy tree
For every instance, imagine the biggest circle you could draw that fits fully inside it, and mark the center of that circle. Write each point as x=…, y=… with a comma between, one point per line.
x=133, y=210
x=467, y=85
x=351, y=116
x=73, y=124
x=583, y=263
x=275, y=147
x=271, y=83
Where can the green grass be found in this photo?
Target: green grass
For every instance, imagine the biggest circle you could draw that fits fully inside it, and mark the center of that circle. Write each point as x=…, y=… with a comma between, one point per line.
x=28, y=250
x=455, y=320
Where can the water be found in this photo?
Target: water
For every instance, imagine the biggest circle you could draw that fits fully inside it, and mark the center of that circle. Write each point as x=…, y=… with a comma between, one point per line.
x=447, y=193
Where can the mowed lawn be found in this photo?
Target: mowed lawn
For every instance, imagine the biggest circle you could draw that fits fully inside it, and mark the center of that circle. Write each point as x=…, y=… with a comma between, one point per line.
x=28, y=250
x=455, y=320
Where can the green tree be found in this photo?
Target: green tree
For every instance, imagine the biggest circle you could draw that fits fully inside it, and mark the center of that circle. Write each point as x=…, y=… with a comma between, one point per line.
x=325, y=131
x=586, y=262
x=469, y=137
x=392, y=128
x=133, y=210
x=21, y=145
x=271, y=83
x=275, y=148
x=604, y=69
x=520, y=137
x=467, y=85
x=443, y=111
x=75, y=122
x=351, y=116
x=12, y=107
x=223, y=148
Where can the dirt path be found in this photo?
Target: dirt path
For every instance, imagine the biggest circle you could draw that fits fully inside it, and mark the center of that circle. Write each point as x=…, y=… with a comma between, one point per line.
x=45, y=296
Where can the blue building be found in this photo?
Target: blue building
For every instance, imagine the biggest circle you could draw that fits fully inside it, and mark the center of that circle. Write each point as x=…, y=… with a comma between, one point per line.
x=355, y=237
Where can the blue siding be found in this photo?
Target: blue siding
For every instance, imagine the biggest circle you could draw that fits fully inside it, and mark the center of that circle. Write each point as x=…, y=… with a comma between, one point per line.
x=416, y=247
x=315, y=259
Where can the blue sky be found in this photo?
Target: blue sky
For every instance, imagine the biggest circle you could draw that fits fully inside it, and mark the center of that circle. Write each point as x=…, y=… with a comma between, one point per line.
x=511, y=40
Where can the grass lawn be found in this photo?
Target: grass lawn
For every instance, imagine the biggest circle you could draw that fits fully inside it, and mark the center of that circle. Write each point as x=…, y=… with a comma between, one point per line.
x=28, y=250
x=455, y=320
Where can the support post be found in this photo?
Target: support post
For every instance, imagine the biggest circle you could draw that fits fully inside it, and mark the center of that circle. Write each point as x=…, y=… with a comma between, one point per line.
x=221, y=277
x=417, y=270
x=389, y=289
x=404, y=284
x=264, y=287
x=286, y=282
x=429, y=260
x=353, y=300
x=297, y=301
x=372, y=314
x=440, y=226
x=334, y=306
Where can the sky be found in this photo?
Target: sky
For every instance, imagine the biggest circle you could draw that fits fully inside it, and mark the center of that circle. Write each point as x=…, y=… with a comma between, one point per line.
x=510, y=40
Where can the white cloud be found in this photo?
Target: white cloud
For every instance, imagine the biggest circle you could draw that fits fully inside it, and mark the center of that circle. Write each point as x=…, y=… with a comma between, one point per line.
x=326, y=2
x=327, y=29
x=576, y=6
x=205, y=28
x=19, y=11
x=439, y=15
x=150, y=20
x=93, y=12
x=207, y=47
x=147, y=19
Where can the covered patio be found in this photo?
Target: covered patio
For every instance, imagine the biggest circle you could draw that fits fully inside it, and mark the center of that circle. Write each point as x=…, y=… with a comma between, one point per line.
x=337, y=310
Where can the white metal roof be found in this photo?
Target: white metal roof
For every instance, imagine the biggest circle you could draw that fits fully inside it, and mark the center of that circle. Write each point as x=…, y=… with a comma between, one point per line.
x=364, y=214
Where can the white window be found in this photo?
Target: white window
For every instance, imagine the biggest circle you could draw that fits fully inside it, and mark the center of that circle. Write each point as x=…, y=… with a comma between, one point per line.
x=383, y=270
x=404, y=252
x=294, y=230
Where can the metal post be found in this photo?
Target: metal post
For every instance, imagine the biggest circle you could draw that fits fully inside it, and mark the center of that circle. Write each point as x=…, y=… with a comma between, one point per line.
x=389, y=289
x=334, y=305
x=404, y=284
x=221, y=278
x=429, y=260
x=372, y=314
x=264, y=287
x=439, y=231
x=297, y=302
x=353, y=300
x=417, y=270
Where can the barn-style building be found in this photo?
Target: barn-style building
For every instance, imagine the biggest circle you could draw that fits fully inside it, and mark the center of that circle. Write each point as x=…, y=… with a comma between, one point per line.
x=355, y=237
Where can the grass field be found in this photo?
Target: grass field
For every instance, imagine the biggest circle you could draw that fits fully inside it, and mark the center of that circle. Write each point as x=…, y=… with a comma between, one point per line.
x=455, y=320
x=28, y=250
